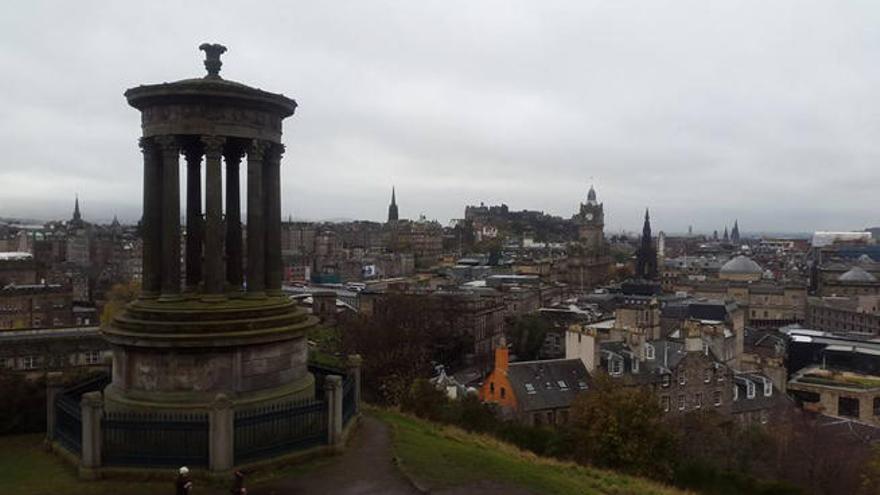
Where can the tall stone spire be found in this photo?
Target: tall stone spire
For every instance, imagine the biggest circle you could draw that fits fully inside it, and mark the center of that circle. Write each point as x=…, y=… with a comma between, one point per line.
x=77, y=217
x=646, y=258
x=734, y=234
x=392, y=208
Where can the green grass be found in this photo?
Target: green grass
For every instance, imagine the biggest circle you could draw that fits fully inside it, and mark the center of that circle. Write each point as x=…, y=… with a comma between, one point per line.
x=442, y=457
x=26, y=468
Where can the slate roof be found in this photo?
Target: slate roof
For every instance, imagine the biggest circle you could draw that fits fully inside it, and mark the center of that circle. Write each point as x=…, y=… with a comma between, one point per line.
x=742, y=403
x=547, y=384
x=667, y=356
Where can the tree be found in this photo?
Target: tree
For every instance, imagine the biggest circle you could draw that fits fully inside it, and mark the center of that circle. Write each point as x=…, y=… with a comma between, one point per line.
x=527, y=334
x=620, y=428
x=117, y=298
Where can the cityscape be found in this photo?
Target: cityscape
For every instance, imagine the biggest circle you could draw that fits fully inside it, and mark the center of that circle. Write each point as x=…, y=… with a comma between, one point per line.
x=621, y=329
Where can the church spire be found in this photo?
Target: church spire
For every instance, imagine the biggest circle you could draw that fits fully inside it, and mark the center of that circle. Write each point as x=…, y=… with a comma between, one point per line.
x=392, y=208
x=646, y=258
x=76, y=214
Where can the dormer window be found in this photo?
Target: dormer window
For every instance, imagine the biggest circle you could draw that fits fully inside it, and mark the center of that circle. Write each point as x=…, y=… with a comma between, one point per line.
x=562, y=385
x=768, y=388
x=735, y=392
x=615, y=366
x=750, y=389
x=649, y=352
x=530, y=389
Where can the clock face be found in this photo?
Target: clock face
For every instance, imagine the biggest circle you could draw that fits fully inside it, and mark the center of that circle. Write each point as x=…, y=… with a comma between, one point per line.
x=589, y=216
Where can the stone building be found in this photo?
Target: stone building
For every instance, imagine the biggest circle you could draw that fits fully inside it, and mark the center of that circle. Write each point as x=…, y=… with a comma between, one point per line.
x=36, y=352
x=587, y=263
x=35, y=306
x=534, y=392
x=17, y=268
x=856, y=315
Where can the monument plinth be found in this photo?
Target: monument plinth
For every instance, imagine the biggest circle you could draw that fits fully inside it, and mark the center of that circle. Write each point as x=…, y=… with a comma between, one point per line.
x=223, y=326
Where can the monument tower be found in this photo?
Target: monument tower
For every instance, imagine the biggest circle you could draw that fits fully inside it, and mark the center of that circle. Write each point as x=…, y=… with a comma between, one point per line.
x=223, y=326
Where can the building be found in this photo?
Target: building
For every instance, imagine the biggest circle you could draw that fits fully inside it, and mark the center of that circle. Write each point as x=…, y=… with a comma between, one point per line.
x=646, y=255
x=17, y=268
x=855, y=315
x=36, y=352
x=35, y=306
x=534, y=392
x=587, y=263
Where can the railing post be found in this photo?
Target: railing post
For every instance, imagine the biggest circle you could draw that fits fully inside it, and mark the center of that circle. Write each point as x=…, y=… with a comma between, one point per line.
x=353, y=366
x=333, y=396
x=221, y=438
x=54, y=385
x=92, y=409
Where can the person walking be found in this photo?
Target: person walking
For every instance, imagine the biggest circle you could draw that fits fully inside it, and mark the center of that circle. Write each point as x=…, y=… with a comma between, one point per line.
x=238, y=484
x=183, y=485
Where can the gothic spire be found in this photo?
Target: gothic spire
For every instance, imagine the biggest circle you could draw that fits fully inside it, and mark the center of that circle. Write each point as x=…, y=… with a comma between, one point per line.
x=392, y=208
x=76, y=214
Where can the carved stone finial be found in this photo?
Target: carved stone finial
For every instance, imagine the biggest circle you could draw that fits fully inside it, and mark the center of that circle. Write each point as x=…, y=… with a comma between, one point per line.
x=212, y=59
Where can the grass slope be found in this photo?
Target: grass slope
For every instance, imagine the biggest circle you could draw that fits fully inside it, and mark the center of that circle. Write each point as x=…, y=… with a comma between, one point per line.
x=444, y=457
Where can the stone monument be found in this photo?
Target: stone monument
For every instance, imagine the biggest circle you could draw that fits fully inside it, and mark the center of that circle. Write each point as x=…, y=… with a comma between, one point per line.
x=223, y=326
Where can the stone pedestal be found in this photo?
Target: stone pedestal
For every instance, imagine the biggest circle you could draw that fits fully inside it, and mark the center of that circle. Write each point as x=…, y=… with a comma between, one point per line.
x=92, y=409
x=333, y=395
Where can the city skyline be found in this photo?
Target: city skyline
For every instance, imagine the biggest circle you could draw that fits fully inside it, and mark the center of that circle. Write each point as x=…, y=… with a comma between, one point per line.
x=735, y=112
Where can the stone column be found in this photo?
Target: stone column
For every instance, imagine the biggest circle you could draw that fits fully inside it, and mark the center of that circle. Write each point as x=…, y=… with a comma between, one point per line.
x=151, y=220
x=213, y=212
x=221, y=449
x=234, y=248
x=256, y=231
x=194, y=226
x=333, y=396
x=54, y=386
x=92, y=409
x=272, y=213
x=353, y=367
x=170, y=217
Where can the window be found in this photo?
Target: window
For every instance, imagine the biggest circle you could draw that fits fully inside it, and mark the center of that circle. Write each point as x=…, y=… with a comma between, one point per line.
x=530, y=389
x=716, y=397
x=582, y=385
x=562, y=385
x=707, y=375
x=503, y=393
x=682, y=377
x=616, y=366
x=735, y=392
x=750, y=389
x=665, y=380
x=698, y=400
x=681, y=402
x=768, y=388
x=492, y=388
x=29, y=362
x=876, y=406
x=649, y=352
x=763, y=416
x=664, y=403
x=635, y=365
x=848, y=406
x=719, y=375
x=93, y=357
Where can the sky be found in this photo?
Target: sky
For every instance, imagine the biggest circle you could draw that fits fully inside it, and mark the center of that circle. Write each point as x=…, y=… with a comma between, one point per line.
x=704, y=112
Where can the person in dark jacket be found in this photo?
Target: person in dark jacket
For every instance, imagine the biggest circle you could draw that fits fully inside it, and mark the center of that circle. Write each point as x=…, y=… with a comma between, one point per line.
x=238, y=484
x=183, y=485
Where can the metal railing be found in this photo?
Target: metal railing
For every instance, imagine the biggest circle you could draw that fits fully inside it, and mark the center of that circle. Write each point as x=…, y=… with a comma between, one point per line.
x=279, y=429
x=163, y=439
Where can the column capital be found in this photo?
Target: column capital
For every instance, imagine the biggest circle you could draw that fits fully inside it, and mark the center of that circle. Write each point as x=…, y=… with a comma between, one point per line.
x=275, y=152
x=213, y=145
x=233, y=151
x=257, y=149
x=146, y=144
x=168, y=143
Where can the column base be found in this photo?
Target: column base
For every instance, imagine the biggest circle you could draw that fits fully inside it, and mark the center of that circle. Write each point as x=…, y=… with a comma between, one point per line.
x=214, y=298
x=255, y=295
x=172, y=297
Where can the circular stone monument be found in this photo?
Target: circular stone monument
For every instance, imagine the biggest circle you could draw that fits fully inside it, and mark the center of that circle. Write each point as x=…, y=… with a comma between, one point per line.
x=223, y=326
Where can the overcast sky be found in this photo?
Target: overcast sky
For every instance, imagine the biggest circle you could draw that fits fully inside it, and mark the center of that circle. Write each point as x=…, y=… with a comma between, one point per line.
x=703, y=111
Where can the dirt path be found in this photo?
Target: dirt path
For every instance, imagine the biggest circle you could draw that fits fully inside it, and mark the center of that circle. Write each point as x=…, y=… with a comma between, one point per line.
x=366, y=467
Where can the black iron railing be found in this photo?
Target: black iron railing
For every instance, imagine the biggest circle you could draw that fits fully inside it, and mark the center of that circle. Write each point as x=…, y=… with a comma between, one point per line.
x=279, y=429
x=68, y=415
x=349, y=399
x=160, y=440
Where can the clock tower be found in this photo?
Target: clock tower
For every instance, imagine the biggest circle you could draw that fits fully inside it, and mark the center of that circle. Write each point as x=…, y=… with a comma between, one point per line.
x=591, y=223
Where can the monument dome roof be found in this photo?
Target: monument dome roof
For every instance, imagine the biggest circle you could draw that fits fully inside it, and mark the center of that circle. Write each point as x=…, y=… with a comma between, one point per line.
x=857, y=274
x=741, y=264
